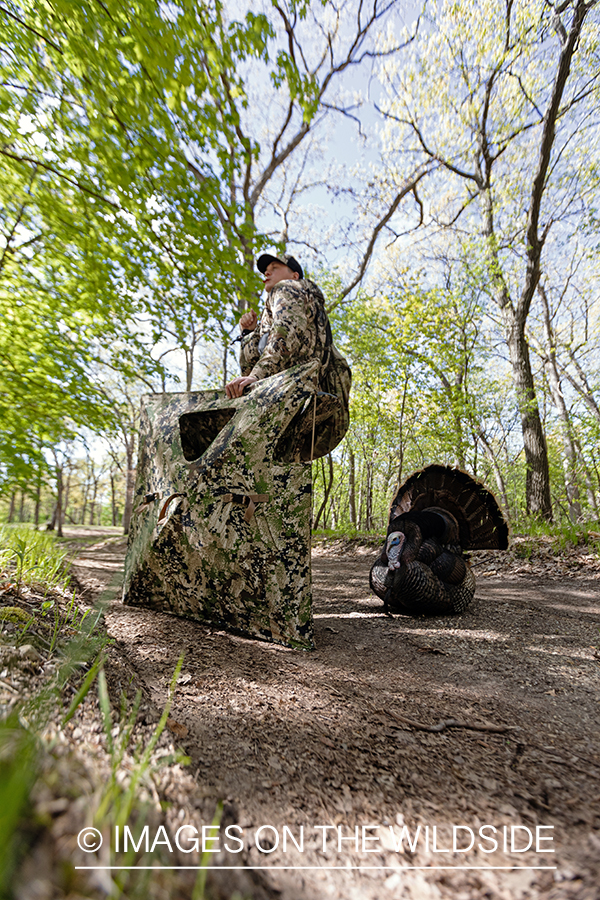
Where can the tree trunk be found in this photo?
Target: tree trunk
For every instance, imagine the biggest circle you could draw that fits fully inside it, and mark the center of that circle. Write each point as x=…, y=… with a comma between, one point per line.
x=589, y=484
x=327, y=485
x=369, y=497
x=538, y=500
x=38, y=498
x=86, y=490
x=457, y=401
x=93, y=500
x=537, y=484
x=335, y=513
x=558, y=399
x=225, y=355
x=129, y=481
x=569, y=455
x=500, y=483
x=113, y=498
x=11, y=509
x=189, y=368
x=401, y=428
x=67, y=490
x=352, y=486
x=536, y=454
x=58, y=511
x=360, y=504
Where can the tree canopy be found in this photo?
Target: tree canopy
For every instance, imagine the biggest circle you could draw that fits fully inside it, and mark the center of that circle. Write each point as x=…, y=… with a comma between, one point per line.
x=149, y=150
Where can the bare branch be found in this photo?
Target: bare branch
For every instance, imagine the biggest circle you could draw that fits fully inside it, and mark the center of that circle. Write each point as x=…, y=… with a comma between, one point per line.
x=17, y=222
x=525, y=93
x=351, y=59
x=290, y=32
x=29, y=28
x=407, y=188
x=434, y=157
x=419, y=204
x=347, y=114
x=534, y=243
x=457, y=216
x=276, y=161
x=282, y=129
x=582, y=387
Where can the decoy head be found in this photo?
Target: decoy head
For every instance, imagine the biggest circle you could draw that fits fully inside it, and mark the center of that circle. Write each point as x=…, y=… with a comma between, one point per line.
x=393, y=549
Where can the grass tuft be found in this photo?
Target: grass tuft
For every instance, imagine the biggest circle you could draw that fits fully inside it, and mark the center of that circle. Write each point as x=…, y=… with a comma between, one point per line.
x=30, y=558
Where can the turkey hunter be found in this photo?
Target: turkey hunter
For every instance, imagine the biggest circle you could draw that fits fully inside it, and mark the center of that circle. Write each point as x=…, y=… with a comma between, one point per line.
x=294, y=328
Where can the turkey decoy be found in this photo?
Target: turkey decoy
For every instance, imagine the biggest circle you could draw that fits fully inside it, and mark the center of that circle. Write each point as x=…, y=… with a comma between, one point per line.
x=436, y=515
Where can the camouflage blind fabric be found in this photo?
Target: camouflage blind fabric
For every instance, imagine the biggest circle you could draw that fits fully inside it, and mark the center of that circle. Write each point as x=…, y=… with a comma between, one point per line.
x=221, y=531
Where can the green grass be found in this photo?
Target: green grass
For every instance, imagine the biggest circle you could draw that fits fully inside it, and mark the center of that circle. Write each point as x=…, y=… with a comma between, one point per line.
x=21, y=741
x=562, y=535
x=76, y=643
x=30, y=558
x=23, y=747
x=530, y=535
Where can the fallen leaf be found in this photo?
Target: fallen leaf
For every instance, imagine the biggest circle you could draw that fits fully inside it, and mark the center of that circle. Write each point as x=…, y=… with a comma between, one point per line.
x=177, y=728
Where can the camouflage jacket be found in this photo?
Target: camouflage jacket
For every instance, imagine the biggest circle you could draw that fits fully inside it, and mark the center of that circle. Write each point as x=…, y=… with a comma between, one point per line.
x=292, y=330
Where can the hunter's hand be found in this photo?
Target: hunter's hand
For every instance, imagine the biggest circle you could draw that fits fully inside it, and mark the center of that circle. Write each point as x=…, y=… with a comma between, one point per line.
x=248, y=320
x=236, y=387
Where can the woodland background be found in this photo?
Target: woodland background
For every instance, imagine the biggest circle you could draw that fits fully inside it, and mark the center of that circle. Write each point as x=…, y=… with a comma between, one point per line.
x=434, y=166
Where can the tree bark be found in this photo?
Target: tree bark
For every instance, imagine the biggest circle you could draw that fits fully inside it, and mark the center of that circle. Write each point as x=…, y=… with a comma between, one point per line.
x=129, y=481
x=369, y=496
x=558, y=399
x=537, y=479
x=189, y=367
x=500, y=483
x=352, y=486
x=85, y=493
x=327, y=485
x=11, y=509
x=58, y=510
x=113, y=498
x=66, y=492
x=459, y=443
x=589, y=484
x=225, y=355
x=38, y=498
x=93, y=500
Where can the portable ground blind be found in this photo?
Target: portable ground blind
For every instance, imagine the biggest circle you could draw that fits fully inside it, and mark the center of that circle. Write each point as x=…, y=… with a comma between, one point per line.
x=222, y=509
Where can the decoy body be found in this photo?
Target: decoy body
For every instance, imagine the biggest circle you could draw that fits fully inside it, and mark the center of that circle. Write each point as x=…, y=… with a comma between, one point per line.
x=436, y=515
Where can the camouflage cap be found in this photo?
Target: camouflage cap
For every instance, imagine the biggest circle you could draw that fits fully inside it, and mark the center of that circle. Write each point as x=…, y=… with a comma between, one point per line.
x=263, y=261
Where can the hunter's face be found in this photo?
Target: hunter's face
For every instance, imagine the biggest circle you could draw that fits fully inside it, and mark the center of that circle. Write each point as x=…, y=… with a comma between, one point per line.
x=276, y=272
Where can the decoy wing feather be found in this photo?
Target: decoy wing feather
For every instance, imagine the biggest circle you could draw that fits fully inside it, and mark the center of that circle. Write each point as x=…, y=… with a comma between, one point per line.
x=481, y=525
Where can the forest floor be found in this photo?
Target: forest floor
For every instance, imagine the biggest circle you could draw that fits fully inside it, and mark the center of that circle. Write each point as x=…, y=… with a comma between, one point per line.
x=490, y=718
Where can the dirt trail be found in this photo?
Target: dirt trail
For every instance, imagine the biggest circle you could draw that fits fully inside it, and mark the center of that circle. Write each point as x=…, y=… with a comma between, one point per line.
x=318, y=739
